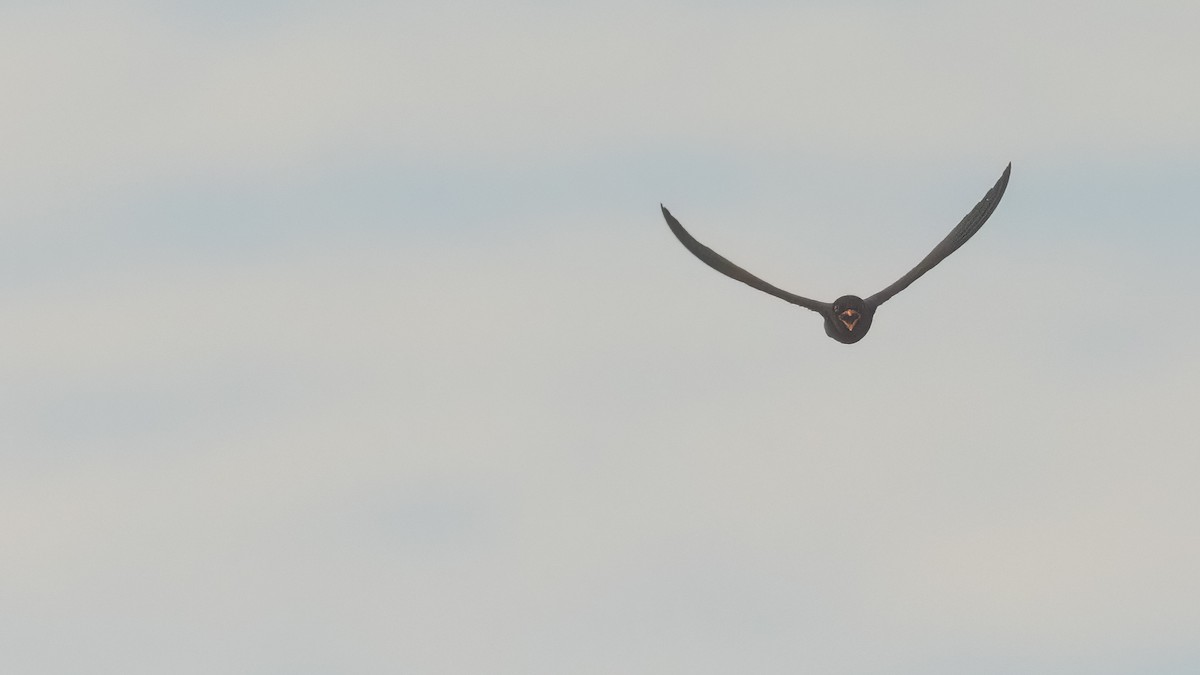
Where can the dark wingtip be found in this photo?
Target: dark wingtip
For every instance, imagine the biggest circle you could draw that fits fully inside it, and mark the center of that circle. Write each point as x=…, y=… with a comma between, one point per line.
x=1004, y=179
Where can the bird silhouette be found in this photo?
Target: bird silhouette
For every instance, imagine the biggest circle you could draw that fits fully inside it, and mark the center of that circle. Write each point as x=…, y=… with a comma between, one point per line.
x=848, y=318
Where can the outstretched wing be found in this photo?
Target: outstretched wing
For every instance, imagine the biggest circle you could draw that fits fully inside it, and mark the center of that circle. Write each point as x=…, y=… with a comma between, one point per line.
x=720, y=264
x=958, y=236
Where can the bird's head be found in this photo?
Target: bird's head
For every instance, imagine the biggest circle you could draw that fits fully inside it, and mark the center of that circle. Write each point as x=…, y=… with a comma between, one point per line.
x=849, y=319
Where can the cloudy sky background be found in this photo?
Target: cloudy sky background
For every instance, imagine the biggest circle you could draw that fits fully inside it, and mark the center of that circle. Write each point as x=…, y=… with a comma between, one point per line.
x=347, y=338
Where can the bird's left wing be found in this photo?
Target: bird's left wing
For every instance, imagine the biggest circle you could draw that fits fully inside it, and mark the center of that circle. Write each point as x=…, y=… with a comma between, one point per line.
x=969, y=225
x=720, y=264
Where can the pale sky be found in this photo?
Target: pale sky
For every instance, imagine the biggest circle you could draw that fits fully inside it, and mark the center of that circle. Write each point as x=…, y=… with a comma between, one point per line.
x=347, y=337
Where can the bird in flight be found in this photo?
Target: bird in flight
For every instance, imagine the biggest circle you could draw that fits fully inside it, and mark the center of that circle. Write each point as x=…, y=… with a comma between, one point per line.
x=848, y=318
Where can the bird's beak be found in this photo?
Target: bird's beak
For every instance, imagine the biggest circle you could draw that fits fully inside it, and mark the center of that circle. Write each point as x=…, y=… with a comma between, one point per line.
x=849, y=318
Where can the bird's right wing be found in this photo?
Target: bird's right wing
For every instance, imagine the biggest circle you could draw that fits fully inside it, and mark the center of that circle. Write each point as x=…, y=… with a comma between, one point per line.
x=720, y=264
x=967, y=227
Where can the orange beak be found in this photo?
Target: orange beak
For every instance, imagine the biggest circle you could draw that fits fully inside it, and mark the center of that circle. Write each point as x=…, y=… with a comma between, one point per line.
x=849, y=318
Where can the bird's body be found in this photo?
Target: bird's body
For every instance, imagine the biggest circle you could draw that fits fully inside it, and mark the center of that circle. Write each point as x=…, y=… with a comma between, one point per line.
x=848, y=318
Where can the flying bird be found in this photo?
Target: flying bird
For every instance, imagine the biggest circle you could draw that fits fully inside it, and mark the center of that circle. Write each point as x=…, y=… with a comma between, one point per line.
x=848, y=318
